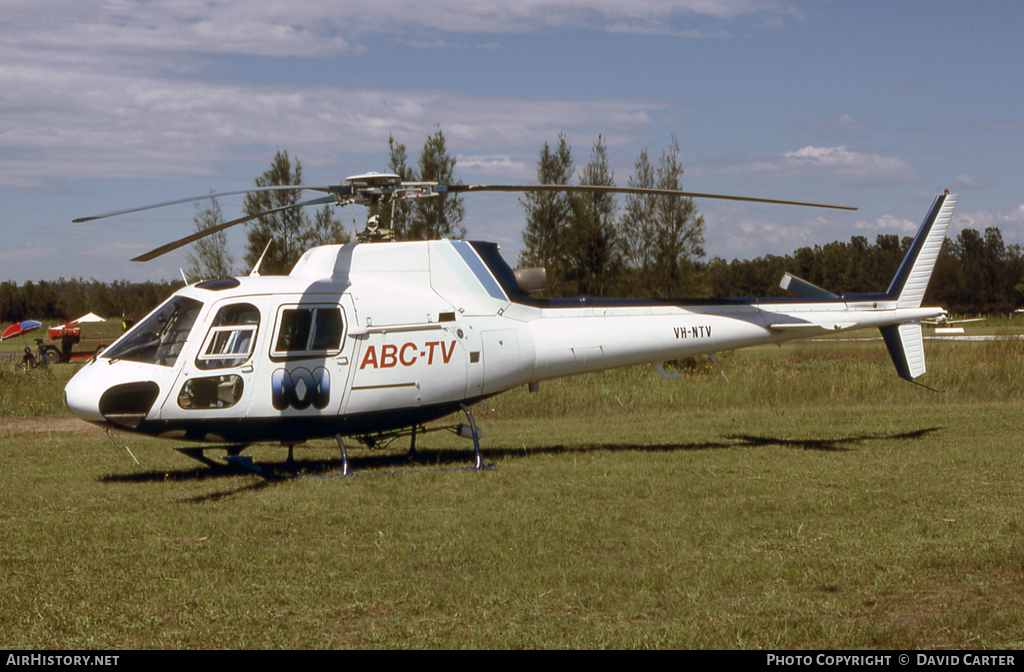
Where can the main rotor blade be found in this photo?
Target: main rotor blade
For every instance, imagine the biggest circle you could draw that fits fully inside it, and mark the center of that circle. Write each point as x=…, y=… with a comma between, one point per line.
x=182, y=242
x=464, y=188
x=342, y=191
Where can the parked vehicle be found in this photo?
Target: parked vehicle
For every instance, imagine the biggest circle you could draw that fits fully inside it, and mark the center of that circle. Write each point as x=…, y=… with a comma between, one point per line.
x=82, y=338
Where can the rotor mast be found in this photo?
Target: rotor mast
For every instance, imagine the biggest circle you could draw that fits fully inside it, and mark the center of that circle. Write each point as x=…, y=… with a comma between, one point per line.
x=380, y=193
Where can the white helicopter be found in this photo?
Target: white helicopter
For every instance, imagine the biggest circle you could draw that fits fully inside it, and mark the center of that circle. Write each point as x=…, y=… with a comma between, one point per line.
x=372, y=341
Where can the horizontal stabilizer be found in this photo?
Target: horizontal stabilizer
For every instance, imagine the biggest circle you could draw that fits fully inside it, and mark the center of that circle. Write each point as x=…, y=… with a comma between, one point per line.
x=801, y=287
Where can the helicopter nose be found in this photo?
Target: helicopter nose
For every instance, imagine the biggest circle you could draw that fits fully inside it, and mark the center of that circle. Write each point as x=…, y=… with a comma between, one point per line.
x=81, y=396
x=103, y=395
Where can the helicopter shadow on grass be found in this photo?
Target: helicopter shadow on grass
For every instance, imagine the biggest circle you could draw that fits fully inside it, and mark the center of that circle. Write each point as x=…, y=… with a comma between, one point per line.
x=829, y=445
x=197, y=474
x=730, y=441
x=424, y=460
x=427, y=460
x=281, y=471
x=275, y=470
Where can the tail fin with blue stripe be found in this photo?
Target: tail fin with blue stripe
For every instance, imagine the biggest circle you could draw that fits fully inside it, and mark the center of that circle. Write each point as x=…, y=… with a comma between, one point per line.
x=904, y=341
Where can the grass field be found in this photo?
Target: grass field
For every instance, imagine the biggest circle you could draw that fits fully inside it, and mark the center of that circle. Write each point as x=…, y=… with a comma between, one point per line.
x=813, y=501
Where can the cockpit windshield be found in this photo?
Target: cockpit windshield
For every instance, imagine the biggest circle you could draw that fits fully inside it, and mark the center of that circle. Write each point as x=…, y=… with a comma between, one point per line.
x=158, y=339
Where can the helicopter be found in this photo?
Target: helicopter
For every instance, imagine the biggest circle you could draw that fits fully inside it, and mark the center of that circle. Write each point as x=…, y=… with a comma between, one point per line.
x=374, y=339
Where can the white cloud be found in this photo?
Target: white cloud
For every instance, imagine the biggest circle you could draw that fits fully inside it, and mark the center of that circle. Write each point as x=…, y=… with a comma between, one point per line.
x=838, y=165
x=68, y=124
x=741, y=231
x=133, y=27
x=308, y=28
x=964, y=182
x=498, y=164
x=661, y=29
x=887, y=225
x=496, y=16
x=848, y=123
x=842, y=165
x=984, y=219
x=121, y=87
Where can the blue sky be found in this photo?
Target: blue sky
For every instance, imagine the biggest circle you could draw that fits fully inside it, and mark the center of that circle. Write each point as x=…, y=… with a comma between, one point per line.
x=879, y=105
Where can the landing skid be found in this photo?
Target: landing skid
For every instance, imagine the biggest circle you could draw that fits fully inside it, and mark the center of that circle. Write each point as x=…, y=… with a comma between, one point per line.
x=199, y=454
x=233, y=460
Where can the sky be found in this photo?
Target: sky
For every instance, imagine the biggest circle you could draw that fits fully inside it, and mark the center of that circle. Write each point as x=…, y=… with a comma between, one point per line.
x=115, y=104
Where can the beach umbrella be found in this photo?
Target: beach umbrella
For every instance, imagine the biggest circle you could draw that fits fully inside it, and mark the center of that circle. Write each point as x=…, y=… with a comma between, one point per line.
x=20, y=329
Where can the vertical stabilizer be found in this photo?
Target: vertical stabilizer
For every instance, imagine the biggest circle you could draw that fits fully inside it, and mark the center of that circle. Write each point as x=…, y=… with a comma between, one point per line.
x=912, y=278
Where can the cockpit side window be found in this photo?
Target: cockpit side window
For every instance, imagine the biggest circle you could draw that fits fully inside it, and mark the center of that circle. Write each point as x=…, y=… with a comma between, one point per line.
x=308, y=331
x=159, y=338
x=231, y=339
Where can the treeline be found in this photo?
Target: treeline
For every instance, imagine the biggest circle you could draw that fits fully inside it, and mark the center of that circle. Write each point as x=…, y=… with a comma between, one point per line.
x=65, y=300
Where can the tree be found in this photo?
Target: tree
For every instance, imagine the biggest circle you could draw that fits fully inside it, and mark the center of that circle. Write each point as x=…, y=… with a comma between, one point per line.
x=636, y=228
x=548, y=215
x=439, y=217
x=209, y=258
x=326, y=230
x=289, y=229
x=591, y=260
x=969, y=248
x=662, y=237
x=680, y=230
x=397, y=159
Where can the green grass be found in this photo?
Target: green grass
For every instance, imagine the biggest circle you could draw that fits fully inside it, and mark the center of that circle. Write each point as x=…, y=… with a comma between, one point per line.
x=38, y=393
x=814, y=501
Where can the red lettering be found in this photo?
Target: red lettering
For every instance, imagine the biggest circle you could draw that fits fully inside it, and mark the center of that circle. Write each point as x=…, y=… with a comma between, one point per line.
x=370, y=358
x=401, y=355
x=391, y=356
